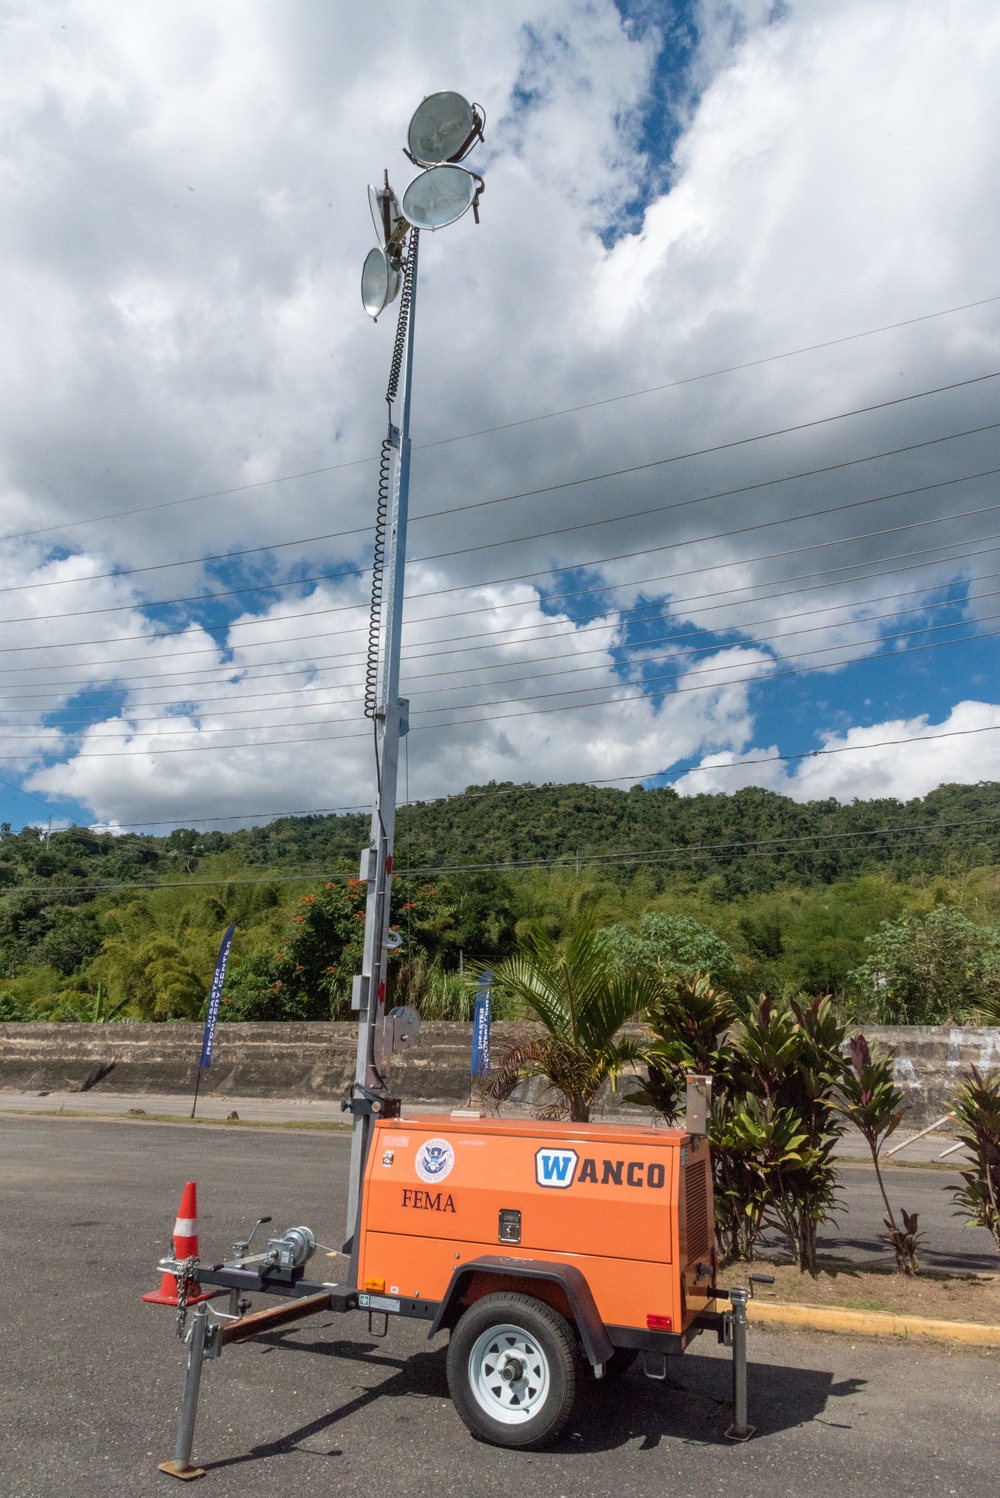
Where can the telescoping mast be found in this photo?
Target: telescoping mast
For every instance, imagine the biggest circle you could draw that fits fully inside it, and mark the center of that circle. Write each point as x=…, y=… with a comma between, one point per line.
x=442, y=132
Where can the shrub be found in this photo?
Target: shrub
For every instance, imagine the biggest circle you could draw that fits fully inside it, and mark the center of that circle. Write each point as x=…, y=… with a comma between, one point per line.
x=977, y=1109
x=674, y=946
x=583, y=998
x=871, y=1101
x=926, y=970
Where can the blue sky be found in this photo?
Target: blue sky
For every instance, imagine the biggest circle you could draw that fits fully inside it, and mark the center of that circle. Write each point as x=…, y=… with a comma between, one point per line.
x=640, y=496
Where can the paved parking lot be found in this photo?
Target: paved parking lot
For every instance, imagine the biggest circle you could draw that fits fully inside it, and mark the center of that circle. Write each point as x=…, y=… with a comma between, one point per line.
x=92, y=1377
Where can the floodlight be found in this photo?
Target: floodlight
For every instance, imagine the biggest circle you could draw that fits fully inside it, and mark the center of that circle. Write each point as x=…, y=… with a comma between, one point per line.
x=440, y=196
x=380, y=281
x=444, y=128
x=387, y=216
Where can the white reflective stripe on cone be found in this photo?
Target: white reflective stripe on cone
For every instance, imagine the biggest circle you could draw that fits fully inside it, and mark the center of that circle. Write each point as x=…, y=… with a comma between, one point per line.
x=186, y=1227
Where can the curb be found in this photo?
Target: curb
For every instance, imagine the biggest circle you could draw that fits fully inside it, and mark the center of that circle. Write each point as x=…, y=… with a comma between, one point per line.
x=873, y=1323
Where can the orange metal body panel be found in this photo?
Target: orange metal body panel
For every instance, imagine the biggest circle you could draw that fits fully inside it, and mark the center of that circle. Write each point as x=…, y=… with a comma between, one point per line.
x=611, y=1199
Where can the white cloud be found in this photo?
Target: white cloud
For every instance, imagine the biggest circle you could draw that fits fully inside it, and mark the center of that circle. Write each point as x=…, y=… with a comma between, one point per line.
x=903, y=758
x=185, y=191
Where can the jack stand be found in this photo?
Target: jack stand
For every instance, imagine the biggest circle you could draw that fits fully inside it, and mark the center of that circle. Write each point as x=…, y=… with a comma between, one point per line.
x=736, y=1338
x=201, y=1341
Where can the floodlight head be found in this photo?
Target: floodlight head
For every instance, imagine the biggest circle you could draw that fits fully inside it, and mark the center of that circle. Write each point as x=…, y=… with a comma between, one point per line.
x=387, y=216
x=380, y=282
x=445, y=127
x=440, y=196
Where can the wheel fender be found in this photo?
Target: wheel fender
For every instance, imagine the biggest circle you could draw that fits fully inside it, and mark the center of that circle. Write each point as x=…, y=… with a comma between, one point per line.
x=593, y=1333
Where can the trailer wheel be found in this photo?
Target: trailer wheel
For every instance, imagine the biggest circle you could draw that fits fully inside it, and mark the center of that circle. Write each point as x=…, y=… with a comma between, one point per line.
x=512, y=1370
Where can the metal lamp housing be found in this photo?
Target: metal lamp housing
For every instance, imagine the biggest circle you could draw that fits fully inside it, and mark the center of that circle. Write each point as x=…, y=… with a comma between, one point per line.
x=439, y=196
x=380, y=282
x=387, y=216
x=443, y=128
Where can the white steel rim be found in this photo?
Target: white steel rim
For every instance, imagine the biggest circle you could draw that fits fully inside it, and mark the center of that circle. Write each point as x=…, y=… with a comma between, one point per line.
x=509, y=1374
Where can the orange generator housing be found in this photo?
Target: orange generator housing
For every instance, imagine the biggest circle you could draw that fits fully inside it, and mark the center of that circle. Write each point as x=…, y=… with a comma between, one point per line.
x=629, y=1207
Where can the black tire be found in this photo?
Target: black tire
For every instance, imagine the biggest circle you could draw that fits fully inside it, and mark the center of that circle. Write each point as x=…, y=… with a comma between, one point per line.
x=619, y=1363
x=512, y=1370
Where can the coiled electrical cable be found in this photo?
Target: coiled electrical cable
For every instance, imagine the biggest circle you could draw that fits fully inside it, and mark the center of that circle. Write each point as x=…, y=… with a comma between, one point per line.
x=389, y=443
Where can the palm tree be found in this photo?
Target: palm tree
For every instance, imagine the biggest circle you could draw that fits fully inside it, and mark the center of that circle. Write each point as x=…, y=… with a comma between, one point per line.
x=583, y=999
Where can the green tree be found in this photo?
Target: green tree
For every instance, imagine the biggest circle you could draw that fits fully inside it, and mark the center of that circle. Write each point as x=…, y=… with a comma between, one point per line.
x=12, y=1009
x=323, y=951
x=924, y=970
x=157, y=976
x=584, y=999
x=675, y=946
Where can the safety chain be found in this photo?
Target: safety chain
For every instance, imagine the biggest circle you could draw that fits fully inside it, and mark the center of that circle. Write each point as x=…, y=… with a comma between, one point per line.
x=184, y=1279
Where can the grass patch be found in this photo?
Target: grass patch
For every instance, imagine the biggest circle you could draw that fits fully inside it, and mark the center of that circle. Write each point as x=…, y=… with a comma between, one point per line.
x=139, y=1115
x=944, y=1297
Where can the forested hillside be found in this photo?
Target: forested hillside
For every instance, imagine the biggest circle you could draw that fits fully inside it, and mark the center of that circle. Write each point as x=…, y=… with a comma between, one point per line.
x=90, y=921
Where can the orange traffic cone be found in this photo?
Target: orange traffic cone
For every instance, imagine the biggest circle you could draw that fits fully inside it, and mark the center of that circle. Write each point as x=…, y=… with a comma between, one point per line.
x=185, y=1247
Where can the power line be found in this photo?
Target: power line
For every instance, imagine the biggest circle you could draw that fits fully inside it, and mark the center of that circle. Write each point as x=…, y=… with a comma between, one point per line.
x=852, y=566
x=708, y=686
x=487, y=675
x=456, y=509
x=643, y=854
x=673, y=545
x=64, y=582
x=262, y=621
x=638, y=612
x=890, y=835
x=546, y=696
x=509, y=425
x=492, y=717
x=702, y=650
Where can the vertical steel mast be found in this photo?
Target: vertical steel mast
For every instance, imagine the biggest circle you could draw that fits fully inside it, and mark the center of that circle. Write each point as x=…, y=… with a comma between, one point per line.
x=371, y=1096
x=442, y=132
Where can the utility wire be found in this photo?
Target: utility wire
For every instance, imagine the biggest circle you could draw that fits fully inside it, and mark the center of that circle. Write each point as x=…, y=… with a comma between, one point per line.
x=484, y=718
x=546, y=696
x=638, y=613
x=672, y=545
x=456, y=509
x=891, y=836
x=486, y=675
x=225, y=556
x=260, y=621
x=509, y=425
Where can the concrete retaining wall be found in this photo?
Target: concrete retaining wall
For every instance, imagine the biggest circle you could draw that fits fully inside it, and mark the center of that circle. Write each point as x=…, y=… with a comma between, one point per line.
x=256, y=1060
x=929, y=1059
x=317, y=1060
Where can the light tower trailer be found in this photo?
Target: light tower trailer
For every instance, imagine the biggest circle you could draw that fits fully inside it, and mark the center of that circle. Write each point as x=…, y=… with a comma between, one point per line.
x=539, y=1247
x=543, y=1249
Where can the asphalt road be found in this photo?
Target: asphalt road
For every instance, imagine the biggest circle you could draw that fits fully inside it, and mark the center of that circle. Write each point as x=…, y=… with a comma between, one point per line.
x=91, y=1377
x=856, y=1232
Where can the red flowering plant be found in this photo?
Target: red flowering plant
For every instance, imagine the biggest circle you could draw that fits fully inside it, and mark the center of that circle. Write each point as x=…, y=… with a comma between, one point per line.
x=310, y=978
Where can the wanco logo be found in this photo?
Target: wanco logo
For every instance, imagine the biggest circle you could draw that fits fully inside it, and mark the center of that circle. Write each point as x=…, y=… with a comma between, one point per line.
x=555, y=1167
x=558, y=1168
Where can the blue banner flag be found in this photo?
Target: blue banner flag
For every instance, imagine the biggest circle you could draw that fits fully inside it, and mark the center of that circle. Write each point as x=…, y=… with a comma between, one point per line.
x=481, y=1026
x=214, y=997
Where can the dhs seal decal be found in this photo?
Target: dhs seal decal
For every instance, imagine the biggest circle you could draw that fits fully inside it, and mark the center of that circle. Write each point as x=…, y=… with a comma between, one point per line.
x=434, y=1160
